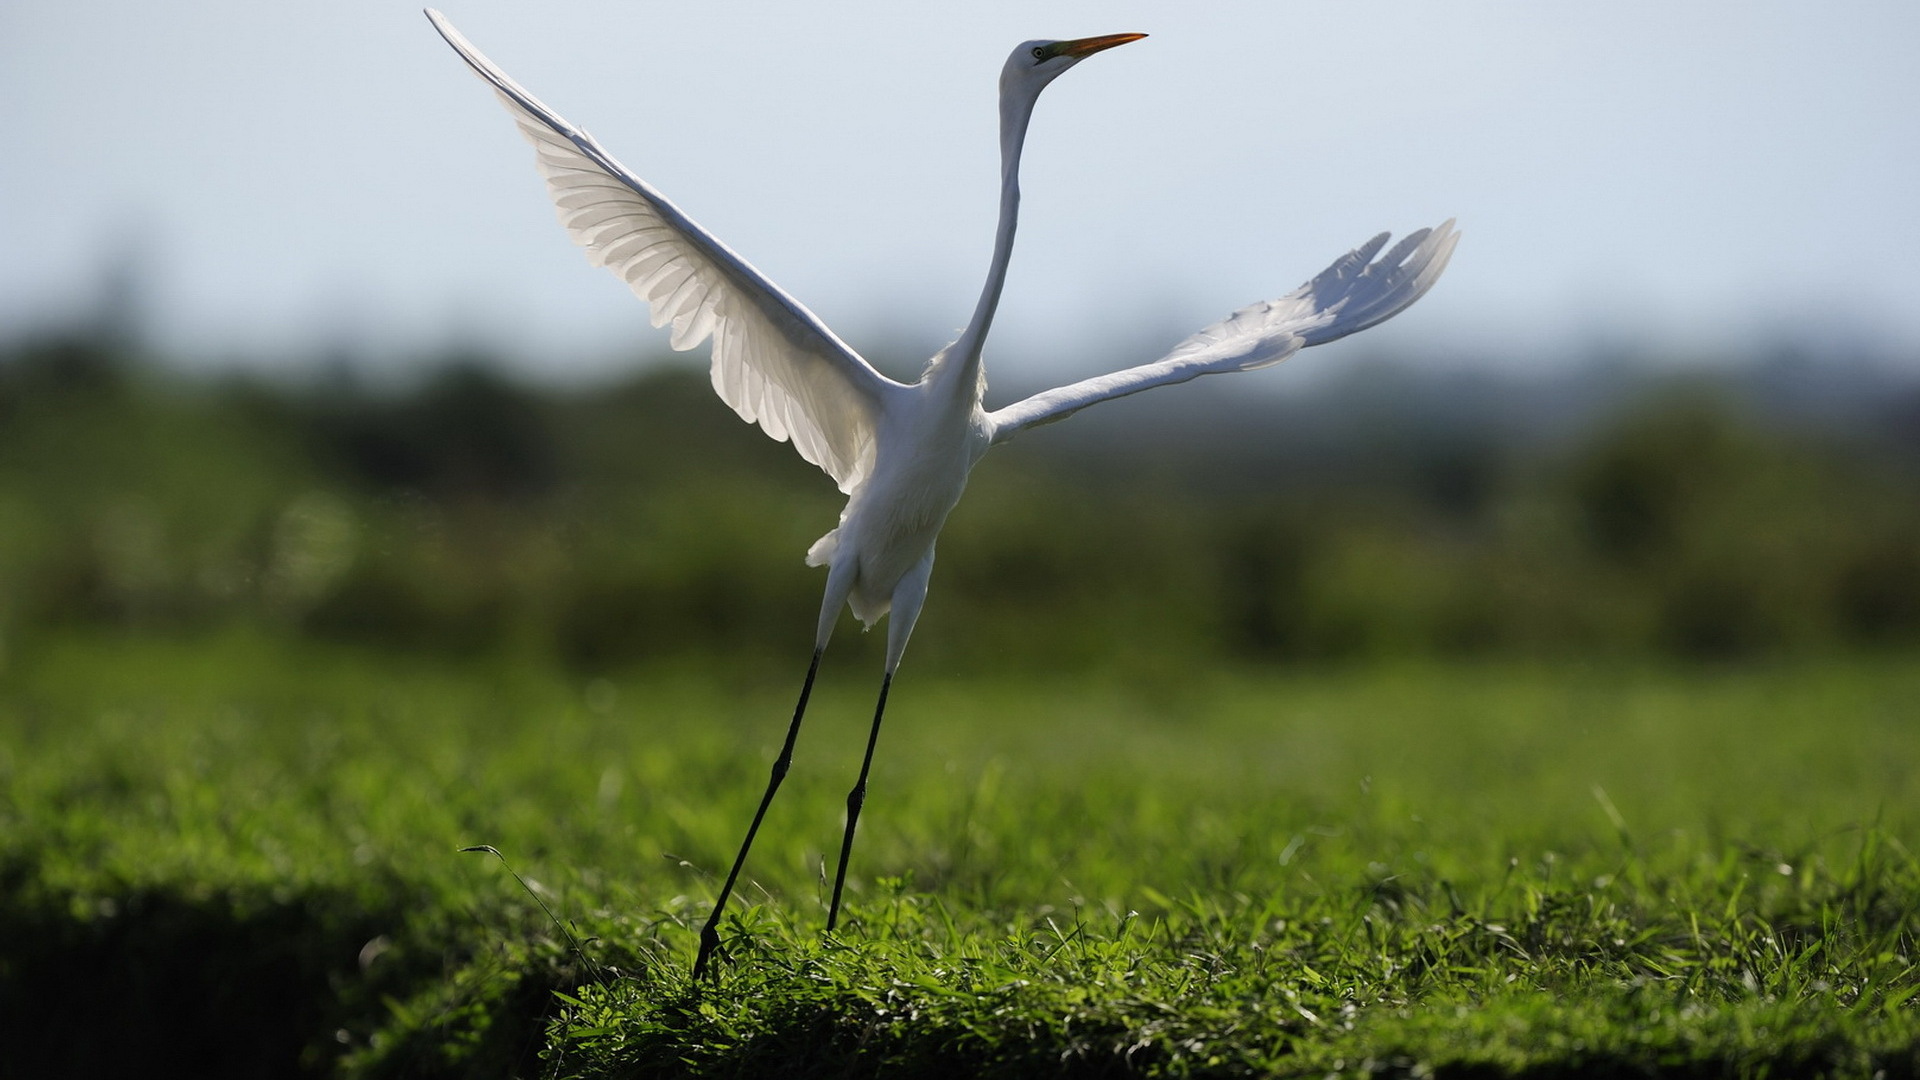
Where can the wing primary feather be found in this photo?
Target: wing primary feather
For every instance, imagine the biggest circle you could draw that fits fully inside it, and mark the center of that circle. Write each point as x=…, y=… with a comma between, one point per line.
x=774, y=362
x=1358, y=290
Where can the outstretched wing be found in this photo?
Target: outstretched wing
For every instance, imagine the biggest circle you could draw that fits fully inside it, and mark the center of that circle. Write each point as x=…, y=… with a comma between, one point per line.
x=1354, y=293
x=773, y=360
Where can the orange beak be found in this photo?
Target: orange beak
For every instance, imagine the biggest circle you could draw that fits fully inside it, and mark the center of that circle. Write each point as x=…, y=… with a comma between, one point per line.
x=1082, y=47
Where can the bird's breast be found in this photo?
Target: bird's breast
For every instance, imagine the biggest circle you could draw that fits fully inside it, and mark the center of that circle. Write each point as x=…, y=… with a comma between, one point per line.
x=909, y=503
x=918, y=477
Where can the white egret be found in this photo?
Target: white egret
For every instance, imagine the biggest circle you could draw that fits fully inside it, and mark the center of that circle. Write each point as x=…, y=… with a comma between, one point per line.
x=901, y=452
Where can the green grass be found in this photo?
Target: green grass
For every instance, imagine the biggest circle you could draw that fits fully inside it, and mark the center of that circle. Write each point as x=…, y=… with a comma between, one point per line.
x=245, y=851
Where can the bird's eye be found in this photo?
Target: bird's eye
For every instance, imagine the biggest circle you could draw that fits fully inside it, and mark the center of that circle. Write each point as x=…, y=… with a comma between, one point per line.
x=1039, y=53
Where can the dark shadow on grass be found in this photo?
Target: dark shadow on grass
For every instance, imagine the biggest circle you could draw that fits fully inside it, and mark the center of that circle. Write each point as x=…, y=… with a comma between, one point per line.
x=235, y=982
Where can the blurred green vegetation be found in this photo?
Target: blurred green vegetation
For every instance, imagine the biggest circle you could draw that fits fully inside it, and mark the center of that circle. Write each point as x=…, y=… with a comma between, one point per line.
x=640, y=522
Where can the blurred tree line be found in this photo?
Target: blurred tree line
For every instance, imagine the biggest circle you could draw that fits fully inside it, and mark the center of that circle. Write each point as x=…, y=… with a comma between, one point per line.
x=642, y=522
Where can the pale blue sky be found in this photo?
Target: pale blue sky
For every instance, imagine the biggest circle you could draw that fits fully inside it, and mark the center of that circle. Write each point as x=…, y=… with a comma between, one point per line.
x=293, y=176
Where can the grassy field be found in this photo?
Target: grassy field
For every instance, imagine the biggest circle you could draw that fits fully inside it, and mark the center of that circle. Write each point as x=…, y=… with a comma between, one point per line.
x=242, y=854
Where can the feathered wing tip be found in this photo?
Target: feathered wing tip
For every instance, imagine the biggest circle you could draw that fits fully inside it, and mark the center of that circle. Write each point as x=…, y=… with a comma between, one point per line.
x=1359, y=291
x=1362, y=288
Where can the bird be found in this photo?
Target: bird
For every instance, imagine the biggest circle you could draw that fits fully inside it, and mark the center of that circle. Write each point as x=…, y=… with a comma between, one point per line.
x=900, y=452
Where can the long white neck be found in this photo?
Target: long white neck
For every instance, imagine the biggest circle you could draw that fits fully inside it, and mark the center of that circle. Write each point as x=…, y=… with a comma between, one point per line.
x=962, y=358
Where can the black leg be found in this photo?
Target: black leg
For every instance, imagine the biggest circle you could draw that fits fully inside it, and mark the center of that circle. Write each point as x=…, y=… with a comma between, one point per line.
x=710, y=934
x=854, y=798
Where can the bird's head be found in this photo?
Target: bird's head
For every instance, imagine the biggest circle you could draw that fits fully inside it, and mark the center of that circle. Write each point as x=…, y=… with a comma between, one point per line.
x=1034, y=64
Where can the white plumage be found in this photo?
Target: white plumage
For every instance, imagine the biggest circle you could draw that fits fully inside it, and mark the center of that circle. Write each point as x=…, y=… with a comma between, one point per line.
x=901, y=452
x=773, y=361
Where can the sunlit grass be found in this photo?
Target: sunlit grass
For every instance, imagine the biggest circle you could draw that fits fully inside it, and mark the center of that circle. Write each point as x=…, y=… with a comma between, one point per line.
x=1217, y=872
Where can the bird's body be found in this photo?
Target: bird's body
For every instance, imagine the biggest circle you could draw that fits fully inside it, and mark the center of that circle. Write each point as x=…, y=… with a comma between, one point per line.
x=929, y=437
x=901, y=452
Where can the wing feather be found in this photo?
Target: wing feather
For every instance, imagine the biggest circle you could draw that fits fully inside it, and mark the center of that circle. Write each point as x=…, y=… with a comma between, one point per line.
x=774, y=362
x=1356, y=292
